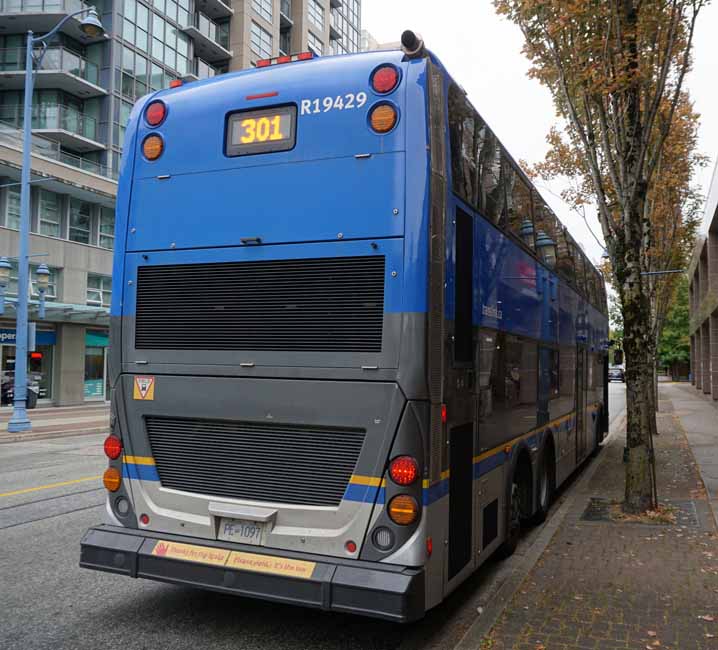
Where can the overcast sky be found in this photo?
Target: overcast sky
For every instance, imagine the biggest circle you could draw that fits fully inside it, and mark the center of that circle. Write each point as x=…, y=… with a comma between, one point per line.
x=483, y=53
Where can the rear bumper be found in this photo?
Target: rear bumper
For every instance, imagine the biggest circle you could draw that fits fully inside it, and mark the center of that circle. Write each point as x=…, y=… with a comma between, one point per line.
x=368, y=588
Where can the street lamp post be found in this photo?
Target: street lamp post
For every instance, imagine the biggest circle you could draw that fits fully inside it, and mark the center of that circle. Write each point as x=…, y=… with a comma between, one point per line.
x=91, y=26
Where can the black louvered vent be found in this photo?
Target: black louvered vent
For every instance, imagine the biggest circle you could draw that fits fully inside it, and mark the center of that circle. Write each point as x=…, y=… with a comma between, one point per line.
x=328, y=304
x=282, y=463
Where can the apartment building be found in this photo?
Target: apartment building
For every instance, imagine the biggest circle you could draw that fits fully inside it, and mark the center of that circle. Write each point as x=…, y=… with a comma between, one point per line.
x=84, y=93
x=703, y=274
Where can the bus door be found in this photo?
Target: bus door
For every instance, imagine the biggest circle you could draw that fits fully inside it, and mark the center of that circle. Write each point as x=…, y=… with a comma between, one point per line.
x=581, y=446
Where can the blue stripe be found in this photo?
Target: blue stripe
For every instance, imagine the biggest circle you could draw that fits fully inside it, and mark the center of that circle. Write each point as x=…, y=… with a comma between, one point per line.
x=141, y=472
x=436, y=491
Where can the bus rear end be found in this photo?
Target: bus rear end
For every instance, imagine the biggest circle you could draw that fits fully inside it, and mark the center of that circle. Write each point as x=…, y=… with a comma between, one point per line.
x=268, y=338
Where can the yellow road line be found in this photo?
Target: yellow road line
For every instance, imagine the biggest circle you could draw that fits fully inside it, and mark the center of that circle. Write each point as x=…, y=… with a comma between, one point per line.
x=49, y=486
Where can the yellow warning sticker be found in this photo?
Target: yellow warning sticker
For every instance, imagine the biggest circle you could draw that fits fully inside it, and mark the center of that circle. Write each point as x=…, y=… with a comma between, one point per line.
x=144, y=388
x=191, y=553
x=271, y=564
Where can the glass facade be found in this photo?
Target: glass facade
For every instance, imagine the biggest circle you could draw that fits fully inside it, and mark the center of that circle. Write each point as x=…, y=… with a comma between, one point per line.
x=346, y=24
x=263, y=8
x=260, y=41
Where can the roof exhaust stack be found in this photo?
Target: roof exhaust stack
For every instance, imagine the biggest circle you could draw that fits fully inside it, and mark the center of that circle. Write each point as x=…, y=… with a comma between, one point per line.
x=412, y=45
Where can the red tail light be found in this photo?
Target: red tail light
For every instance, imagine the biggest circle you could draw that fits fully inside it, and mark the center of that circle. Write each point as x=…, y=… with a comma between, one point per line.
x=113, y=447
x=403, y=470
x=155, y=113
x=385, y=79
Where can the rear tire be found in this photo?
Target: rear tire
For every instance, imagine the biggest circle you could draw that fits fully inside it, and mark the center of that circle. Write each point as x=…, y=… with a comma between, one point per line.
x=545, y=488
x=513, y=523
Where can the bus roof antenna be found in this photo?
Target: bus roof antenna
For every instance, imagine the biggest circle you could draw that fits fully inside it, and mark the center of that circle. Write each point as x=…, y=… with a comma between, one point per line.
x=412, y=45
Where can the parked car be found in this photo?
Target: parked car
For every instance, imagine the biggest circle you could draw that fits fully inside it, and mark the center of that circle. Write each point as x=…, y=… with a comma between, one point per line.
x=7, y=390
x=616, y=373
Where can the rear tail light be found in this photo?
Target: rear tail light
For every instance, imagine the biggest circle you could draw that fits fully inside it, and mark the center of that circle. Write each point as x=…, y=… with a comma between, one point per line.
x=403, y=509
x=113, y=447
x=111, y=479
x=155, y=113
x=152, y=147
x=403, y=470
x=385, y=79
x=383, y=118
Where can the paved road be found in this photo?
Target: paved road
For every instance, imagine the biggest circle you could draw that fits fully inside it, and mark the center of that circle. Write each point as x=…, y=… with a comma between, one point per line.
x=48, y=602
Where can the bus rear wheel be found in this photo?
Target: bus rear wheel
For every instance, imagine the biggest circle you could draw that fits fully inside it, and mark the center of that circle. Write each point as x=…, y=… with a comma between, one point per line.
x=545, y=487
x=513, y=523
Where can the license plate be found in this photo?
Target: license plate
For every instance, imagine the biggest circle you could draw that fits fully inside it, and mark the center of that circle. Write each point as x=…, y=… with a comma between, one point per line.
x=242, y=531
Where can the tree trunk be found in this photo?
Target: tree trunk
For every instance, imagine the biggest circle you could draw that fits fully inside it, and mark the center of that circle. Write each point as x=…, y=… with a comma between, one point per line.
x=641, y=413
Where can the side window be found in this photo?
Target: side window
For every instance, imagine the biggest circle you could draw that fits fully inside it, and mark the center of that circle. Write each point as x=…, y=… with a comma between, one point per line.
x=518, y=203
x=563, y=403
x=564, y=260
x=548, y=231
x=491, y=201
x=464, y=288
x=463, y=147
x=580, y=269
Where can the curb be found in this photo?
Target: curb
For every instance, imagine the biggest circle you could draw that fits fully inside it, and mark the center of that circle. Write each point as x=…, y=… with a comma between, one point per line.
x=473, y=637
x=47, y=435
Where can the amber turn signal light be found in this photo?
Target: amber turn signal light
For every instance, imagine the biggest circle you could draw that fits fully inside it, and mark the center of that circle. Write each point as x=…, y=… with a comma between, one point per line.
x=152, y=147
x=383, y=118
x=403, y=509
x=111, y=479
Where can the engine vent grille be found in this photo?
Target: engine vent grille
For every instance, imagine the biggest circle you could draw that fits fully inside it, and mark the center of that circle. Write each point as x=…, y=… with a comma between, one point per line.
x=282, y=463
x=325, y=304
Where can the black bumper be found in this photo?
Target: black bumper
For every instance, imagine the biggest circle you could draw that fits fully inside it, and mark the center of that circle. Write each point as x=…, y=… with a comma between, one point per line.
x=369, y=588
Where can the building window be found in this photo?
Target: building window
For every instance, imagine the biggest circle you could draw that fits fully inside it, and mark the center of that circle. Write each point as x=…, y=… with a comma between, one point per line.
x=99, y=290
x=314, y=44
x=80, y=221
x=316, y=13
x=12, y=214
x=107, y=228
x=260, y=42
x=50, y=294
x=49, y=223
x=263, y=9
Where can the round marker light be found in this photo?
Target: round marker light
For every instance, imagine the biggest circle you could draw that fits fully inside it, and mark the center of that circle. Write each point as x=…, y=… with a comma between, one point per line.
x=385, y=79
x=144, y=519
x=403, y=509
x=152, y=147
x=351, y=547
x=113, y=447
x=403, y=470
x=383, y=538
x=122, y=506
x=383, y=118
x=111, y=479
x=155, y=113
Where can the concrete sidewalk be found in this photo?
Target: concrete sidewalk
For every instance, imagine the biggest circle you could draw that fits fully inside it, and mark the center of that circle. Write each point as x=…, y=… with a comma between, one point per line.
x=608, y=583
x=55, y=422
x=698, y=414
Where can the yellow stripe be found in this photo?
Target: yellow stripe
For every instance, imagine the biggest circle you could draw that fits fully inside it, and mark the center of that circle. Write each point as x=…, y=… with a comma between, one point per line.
x=138, y=460
x=50, y=486
x=373, y=481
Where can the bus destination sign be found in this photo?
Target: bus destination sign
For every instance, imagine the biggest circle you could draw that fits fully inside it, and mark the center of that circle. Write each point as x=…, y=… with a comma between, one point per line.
x=261, y=131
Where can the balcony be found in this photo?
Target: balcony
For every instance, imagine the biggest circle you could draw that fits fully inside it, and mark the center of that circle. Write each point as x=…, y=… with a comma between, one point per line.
x=62, y=69
x=285, y=43
x=285, y=15
x=335, y=4
x=64, y=124
x=334, y=33
x=41, y=16
x=209, y=40
x=215, y=9
x=201, y=70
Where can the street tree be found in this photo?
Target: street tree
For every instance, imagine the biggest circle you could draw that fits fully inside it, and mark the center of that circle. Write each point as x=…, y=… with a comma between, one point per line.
x=674, y=345
x=616, y=71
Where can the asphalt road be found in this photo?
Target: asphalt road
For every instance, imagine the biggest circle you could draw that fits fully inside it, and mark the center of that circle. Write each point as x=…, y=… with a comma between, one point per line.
x=49, y=496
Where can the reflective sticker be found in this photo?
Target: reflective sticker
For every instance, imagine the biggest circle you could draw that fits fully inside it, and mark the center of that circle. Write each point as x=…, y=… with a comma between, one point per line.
x=191, y=553
x=144, y=388
x=270, y=564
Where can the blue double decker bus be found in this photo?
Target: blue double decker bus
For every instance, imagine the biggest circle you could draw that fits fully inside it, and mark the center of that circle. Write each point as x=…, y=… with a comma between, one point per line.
x=353, y=350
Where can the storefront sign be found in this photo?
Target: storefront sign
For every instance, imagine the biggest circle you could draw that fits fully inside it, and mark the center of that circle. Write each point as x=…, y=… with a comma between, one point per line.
x=43, y=337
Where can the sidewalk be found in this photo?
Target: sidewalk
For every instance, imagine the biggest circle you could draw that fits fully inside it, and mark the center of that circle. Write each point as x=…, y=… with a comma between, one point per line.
x=608, y=585
x=55, y=422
